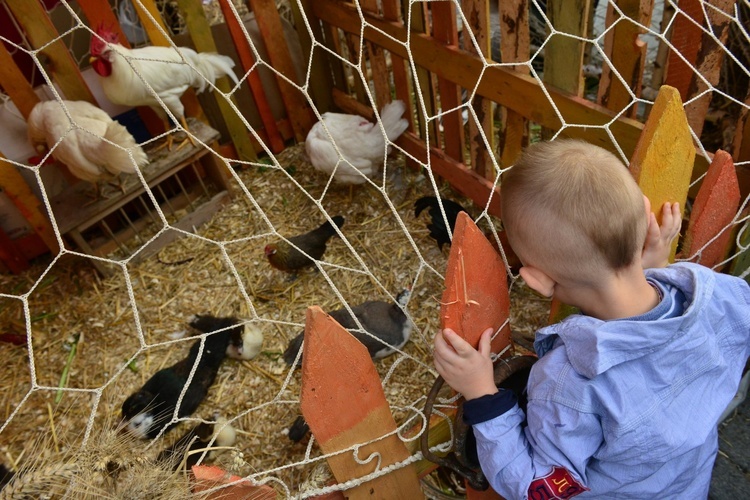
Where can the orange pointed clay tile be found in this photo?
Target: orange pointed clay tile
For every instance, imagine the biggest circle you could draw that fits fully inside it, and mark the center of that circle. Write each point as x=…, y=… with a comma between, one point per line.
x=476, y=287
x=208, y=477
x=342, y=401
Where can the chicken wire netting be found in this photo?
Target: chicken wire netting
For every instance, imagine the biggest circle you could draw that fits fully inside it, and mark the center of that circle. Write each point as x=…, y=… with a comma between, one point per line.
x=92, y=341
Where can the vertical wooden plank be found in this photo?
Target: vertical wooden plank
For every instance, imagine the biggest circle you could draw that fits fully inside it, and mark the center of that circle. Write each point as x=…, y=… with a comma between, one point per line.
x=663, y=158
x=477, y=13
x=153, y=24
x=297, y=107
x=200, y=33
x=514, y=47
x=357, y=60
x=686, y=41
x=476, y=287
x=344, y=405
x=377, y=61
x=444, y=29
x=32, y=209
x=15, y=84
x=333, y=43
x=40, y=31
x=247, y=59
x=708, y=62
x=423, y=85
x=320, y=79
x=627, y=54
x=563, y=56
x=713, y=211
x=392, y=12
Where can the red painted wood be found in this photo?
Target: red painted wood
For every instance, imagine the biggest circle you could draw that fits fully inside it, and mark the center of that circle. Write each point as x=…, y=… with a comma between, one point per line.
x=206, y=477
x=714, y=208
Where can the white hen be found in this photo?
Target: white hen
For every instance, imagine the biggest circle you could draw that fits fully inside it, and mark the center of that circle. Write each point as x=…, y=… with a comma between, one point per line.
x=360, y=142
x=81, y=145
x=126, y=74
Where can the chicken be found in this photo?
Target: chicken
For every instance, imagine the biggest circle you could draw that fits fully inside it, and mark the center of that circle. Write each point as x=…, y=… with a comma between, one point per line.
x=154, y=76
x=190, y=446
x=386, y=321
x=439, y=231
x=360, y=142
x=94, y=146
x=245, y=341
x=152, y=407
x=283, y=256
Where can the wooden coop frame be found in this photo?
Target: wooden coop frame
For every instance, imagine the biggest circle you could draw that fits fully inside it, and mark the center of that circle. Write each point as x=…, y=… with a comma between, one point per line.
x=441, y=69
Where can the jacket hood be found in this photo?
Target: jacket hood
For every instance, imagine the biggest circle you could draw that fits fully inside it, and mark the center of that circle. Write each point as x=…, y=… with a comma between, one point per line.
x=593, y=346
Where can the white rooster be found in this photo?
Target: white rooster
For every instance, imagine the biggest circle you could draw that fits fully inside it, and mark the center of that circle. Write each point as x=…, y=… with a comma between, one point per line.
x=94, y=146
x=360, y=142
x=126, y=74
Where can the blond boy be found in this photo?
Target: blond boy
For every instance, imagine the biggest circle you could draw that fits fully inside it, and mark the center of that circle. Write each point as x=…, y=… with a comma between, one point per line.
x=625, y=398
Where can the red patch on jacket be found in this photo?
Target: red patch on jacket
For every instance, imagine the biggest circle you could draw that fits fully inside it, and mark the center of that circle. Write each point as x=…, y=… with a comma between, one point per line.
x=557, y=485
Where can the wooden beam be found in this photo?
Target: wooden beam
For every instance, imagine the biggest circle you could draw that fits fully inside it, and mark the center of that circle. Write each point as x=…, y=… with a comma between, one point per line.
x=423, y=79
x=40, y=32
x=15, y=84
x=200, y=33
x=328, y=392
x=376, y=57
x=297, y=107
x=663, y=159
x=563, y=55
x=392, y=12
x=320, y=79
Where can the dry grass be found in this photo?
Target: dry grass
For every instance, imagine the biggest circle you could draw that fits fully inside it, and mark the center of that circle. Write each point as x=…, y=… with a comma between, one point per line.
x=193, y=275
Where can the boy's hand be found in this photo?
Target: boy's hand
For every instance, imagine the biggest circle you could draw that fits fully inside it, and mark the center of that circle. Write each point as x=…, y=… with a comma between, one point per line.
x=465, y=369
x=659, y=240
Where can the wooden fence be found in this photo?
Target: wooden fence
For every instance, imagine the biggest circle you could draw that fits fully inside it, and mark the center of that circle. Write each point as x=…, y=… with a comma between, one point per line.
x=438, y=63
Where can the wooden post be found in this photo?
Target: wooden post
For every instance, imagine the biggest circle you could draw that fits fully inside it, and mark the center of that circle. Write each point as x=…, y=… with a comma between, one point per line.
x=627, y=53
x=445, y=30
x=200, y=33
x=247, y=59
x=41, y=32
x=15, y=84
x=377, y=62
x=477, y=13
x=514, y=47
x=392, y=12
x=563, y=56
x=321, y=81
x=344, y=405
x=419, y=24
x=712, y=214
x=663, y=158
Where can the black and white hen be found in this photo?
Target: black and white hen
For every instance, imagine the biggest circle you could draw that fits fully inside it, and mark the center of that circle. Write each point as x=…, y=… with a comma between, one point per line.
x=152, y=407
x=387, y=321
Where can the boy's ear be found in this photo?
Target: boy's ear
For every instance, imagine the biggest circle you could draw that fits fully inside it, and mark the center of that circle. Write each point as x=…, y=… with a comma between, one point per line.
x=538, y=280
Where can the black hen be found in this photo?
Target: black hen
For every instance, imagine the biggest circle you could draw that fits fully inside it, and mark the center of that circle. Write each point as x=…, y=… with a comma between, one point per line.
x=285, y=257
x=385, y=320
x=152, y=407
x=437, y=227
x=232, y=325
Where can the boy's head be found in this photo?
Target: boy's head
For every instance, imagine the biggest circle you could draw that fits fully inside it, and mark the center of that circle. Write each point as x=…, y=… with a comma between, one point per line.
x=572, y=210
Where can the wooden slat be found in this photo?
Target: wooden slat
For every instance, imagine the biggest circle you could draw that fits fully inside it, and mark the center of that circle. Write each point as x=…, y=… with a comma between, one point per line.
x=153, y=24
x=627, y=54
x=297, y=107
x=477, y=13
x=41, y=32
x=247, y=59
x=377, y=62
x=712, y=213
x=708, y=62
x=516, y=91
x=663, y=159
x=15, y=84
x=344, y=405
x=514, y=47
x=200, y=33
x=686, y=41
x=423, y=83
x=320, y=81
x=352, y=49
x=563, y=56
x=741, y=263
x=32, y=209
x=333, y=43
x=392, y=12
x=464, y=180
x=444, y=30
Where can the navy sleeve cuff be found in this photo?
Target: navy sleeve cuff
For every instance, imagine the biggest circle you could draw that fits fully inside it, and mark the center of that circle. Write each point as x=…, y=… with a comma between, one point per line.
x=488, y=407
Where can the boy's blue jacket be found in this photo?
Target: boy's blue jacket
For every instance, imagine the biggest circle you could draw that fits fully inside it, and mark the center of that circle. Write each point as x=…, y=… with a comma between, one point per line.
x=626, y=408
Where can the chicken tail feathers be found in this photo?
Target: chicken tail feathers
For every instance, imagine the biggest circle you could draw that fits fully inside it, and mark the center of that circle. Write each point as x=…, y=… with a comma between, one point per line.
x=393, y=124
x=118, y=158
x=438, y=229
x=211, y=67
x=290, y=354
x=326, y=229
